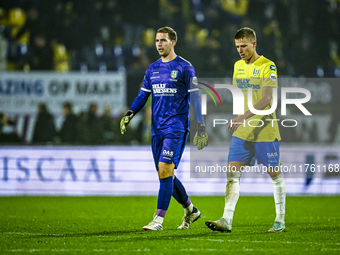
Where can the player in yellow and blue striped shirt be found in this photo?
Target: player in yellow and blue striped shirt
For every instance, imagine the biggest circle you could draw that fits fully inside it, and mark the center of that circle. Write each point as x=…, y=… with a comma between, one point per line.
x=254, y=136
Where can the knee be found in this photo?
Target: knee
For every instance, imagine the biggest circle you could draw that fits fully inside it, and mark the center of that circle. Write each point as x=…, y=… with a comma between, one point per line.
x=234, y=170
x=165, y=170
x=234, y=175
x=274, y=172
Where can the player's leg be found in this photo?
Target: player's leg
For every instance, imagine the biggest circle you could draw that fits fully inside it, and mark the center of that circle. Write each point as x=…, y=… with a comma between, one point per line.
x=181, y=196
x=279, y=198
x=280, y=203
x=268, y=154
x=165, y=169
x=191, y=213
x=232, y=189
x=166, y=175
x=240, y=154
x=165, y=150
x=232, y=195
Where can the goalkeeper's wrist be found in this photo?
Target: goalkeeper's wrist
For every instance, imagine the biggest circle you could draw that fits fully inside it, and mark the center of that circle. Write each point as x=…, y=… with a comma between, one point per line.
x=200, y=127
x=129, y=114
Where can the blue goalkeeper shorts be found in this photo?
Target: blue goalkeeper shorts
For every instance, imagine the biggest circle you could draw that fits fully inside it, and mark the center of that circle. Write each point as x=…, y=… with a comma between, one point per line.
x=266, y=153
x=168, y=148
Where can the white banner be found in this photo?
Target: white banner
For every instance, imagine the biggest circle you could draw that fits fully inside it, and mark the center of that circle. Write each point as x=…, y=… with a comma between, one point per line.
x=130, y=170
x=22, y=92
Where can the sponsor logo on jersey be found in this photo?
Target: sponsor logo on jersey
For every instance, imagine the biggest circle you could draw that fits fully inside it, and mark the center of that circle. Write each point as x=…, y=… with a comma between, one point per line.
x=273, y=68
x=273, y=77
x=244, y=83
x=174, y=74
x=256, y=72
x=168, y=153
x=162, y=90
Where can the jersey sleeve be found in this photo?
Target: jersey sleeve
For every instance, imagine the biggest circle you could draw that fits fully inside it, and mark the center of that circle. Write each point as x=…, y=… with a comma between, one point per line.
x=146, y=82
x=270, y=75
x=191, y=79
x=192, y=84
x=143, y=95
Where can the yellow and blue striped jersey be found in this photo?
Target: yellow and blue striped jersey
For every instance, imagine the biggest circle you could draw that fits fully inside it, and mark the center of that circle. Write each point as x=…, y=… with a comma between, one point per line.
x=261, y=73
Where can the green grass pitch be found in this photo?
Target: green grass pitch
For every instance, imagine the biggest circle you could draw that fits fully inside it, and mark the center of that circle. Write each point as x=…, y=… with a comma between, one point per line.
x=106, y=225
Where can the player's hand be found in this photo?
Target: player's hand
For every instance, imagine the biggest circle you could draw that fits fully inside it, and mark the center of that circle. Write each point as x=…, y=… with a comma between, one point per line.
x=125, y=122
x=201, y=137
x=235, y=123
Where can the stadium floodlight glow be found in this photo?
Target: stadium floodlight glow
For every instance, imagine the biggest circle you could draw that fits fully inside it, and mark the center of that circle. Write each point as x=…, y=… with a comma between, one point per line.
x=238, y=100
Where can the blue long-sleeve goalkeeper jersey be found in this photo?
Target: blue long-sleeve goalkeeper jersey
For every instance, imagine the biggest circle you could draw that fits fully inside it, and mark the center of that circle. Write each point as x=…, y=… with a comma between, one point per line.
x=171, y=85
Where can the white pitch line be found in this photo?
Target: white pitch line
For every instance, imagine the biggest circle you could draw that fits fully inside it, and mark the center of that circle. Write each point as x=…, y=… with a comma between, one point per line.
x=63, y=250
x=193, y=238
x=140, y=250
x=31, y=234
x=200, y=250
x=243, y=249
x=245, y=241
x=46, y=250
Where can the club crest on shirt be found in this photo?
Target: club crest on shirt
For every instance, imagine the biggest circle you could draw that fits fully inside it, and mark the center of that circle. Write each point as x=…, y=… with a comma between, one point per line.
x=174, y=74
x=194, y=81
x=273, y=77
x=256, y=72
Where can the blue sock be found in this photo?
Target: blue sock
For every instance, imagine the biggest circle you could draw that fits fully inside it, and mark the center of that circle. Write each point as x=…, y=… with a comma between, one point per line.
x=180, y=193
x=164, y=195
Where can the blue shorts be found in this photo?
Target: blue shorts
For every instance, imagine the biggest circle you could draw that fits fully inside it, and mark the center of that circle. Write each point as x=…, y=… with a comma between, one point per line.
x=168, y=148
x=266, y=153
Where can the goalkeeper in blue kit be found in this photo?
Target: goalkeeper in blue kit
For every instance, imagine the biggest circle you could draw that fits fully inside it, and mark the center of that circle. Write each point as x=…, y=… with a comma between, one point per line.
x=173, y=84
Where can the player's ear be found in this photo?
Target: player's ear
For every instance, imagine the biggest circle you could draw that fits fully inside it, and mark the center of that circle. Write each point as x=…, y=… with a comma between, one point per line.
x=254, y=43
x=173, y=42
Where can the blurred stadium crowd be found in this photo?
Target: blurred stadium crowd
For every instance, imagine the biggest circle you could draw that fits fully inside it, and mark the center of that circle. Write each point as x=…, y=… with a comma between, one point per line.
x=86, y=128
x=301, y=36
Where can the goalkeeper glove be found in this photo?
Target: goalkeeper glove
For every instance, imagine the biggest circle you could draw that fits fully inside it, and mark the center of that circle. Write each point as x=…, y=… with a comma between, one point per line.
x=201, y=137
x=125, y=122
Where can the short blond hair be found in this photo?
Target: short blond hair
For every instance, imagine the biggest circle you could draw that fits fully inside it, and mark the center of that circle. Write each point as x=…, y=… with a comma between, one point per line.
x=246, y=32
